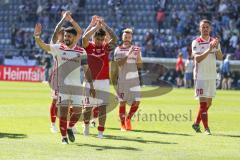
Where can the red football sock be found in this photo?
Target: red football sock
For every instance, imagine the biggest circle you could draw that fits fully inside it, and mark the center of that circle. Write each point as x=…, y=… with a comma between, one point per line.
x=198, y=119
x=122, y=113
x=204, y=114
x=101, y=128
x=73, y=119
x=63, y=126
x=53, y=111
x=133, y=109
x=95, y=111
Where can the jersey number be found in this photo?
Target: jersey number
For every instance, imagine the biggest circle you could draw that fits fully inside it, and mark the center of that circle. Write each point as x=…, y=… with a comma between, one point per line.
x=87, y=101
x=199, y=91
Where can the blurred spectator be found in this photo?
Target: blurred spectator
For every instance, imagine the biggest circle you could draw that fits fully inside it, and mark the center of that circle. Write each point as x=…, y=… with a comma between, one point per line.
x=19, y=39
x=237, y=53
x=74, y=6
x=149, y=44
x=44, y=18
x=180, y=70
x=159, y=4
x=184, y=52
x=233, y=42
x=226, y=74
x=160, y=18
x=1, y=58
x=14, y=31
x=160, y=51
x=47, y=66
x=188, y=76
x=222, y=6
x=111, y=6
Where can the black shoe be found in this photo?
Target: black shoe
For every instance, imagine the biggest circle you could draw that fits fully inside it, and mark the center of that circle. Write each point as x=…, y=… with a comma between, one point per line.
x=207, y=131
x=196, y=127
x=64, y=141
x=71, y=136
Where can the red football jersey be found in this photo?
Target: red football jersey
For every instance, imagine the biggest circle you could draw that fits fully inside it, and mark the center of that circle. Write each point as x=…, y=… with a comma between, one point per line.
x=98, y=61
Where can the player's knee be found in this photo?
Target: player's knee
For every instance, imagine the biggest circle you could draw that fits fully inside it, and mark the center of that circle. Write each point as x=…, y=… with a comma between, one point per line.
x=87, y=109
x=136, y=103
x=102, y=110
x=76, y=110
x=122, y=104
x=54, y=101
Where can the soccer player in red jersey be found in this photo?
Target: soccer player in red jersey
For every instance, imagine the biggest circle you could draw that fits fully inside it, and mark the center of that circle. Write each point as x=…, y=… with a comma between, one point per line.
x=128, y=57
x=98, y=52
x=57, y=37
x=206, y=50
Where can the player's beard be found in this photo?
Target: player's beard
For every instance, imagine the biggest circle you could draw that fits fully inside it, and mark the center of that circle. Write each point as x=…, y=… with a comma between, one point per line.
x=206, y=33
x=68, y=42
x=127, y=43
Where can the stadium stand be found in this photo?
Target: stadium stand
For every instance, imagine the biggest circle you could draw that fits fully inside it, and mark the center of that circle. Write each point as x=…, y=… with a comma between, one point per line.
x=177, y=28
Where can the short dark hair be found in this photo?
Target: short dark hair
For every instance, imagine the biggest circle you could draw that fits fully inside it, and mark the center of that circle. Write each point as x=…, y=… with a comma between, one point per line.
x=70, y=30
x=100, y=33
x=205, y=21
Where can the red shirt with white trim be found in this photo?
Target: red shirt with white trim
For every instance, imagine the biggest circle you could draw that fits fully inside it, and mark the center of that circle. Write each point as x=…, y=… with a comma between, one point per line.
x=98, y=60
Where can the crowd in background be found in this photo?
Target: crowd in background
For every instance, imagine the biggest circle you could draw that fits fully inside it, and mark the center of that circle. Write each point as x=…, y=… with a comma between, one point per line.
x=181, y=24
x=175, y=24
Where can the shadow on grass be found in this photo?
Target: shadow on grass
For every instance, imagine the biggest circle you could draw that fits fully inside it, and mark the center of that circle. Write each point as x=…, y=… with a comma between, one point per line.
x=137, y=139
x=12, y=135
x=226, y=135
x=154, y=132
x=101, y=148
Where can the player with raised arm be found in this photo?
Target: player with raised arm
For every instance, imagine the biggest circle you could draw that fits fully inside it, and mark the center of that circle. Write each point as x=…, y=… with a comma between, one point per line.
x=69, y=57
x=95, y=109
x=128, y=57
x=57, y=37
x=98, y=52
x=206, y=50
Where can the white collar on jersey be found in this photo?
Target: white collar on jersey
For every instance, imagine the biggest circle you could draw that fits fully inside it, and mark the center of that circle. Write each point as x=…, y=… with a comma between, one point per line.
x=72, y=47
x=208, y=40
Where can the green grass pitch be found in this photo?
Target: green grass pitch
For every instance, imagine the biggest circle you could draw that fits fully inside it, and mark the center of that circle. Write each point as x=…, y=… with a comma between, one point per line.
x=25, y=132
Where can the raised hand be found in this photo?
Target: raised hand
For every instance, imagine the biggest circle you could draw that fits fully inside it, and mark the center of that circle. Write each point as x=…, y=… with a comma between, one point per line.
x=68, y=17
x=214, y=43
x=38, y=29
x=94, y=20
x=103, y=23
x=98, y=25
x=131, y=50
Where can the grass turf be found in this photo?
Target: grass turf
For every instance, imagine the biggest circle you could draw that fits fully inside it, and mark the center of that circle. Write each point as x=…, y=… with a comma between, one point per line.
x=25, y=133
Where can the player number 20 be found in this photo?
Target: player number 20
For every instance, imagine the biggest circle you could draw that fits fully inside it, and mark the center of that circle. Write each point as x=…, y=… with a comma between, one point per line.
x=199, y=91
